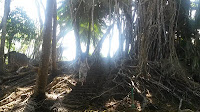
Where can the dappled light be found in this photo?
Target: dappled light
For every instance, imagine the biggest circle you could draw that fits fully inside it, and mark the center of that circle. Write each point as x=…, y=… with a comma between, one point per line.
x=99, y=55
x=19, y=98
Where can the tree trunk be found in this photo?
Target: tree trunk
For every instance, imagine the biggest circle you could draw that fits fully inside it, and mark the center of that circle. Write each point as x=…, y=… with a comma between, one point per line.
x=77, y=37
x=0, y=26
x=109, y=48
x=43, y=69
x=120, y=50
x=128, y=31
x=3, y=36
x=54, y=67
x=89, y=33
x=127, y=44
x=10, y=44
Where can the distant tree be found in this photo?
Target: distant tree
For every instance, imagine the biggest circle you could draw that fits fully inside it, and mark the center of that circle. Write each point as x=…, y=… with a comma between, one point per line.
x=3, y=36
x=89, y=22
x=19, y=27
x=90, y=19
x=38, y=40
x=44, y=65
x=38, y=4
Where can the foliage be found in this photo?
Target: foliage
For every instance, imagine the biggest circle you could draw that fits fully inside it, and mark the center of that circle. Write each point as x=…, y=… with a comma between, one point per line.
x=20, y=26
x=66, y=18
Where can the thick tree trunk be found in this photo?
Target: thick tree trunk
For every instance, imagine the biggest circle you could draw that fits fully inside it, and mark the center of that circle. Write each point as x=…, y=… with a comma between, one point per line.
x=3, y=36
x=89, y=33
x=43, y=69
x=54, y=67
x=156, y=33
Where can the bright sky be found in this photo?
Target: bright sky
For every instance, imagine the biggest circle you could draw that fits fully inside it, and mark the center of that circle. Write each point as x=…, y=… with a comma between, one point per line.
x=28, y=5
x=69, y=40
x=69, y=44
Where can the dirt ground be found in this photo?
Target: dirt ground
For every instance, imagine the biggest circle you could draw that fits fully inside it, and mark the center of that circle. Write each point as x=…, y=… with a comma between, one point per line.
x=107, y=88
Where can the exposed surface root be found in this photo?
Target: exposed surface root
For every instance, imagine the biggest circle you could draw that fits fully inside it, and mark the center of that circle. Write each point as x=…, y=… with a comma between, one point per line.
x=120, y=89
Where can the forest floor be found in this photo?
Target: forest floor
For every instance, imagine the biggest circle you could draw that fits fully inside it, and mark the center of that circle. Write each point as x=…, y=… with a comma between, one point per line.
x=107, y=88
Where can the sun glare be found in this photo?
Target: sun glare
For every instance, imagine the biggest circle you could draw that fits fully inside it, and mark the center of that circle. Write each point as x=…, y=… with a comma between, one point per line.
x=68, y=42
x=114, y=43
x=28, y=5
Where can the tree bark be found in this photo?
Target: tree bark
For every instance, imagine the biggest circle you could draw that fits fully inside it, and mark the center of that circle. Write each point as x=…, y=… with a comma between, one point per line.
x=128, y=32
x=0, y=25
x=3, y=36
x=43, y=69
x=54, y=67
